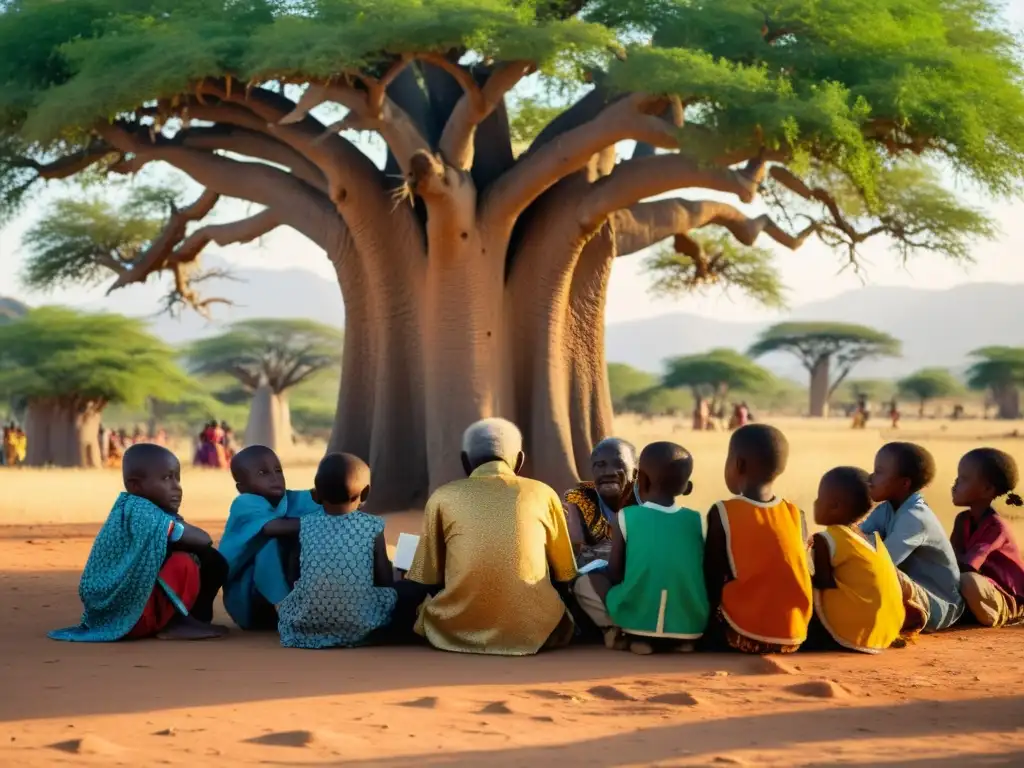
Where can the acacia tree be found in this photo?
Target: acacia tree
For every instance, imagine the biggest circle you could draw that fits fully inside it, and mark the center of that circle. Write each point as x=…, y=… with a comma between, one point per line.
x=829, y=352
x=712, y=375
x=928, y=384
x=268, y=357
x=474, y=278
x=69, y=366
x=999, y=371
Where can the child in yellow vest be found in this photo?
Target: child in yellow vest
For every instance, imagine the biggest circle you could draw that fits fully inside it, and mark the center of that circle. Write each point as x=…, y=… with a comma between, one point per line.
x=858, y=601
x=755, y=556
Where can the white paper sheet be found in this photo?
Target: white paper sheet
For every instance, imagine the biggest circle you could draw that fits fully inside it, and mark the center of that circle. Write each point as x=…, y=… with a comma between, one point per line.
x=405, y=550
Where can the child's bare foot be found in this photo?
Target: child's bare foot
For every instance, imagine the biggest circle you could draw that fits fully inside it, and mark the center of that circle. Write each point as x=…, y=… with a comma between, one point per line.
x=684, y=647
x=614, y=640
x=641, y=647
x=187, y=628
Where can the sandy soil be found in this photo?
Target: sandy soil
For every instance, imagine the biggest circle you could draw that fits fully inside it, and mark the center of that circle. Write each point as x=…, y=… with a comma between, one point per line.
x=950, y=700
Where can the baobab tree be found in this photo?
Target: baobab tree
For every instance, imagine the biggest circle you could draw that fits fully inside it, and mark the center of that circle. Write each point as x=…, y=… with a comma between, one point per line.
x=68, y=366
x=829, y=352
x=474, y=261
x=999, y=371
x=268, y=357
x=928, y=384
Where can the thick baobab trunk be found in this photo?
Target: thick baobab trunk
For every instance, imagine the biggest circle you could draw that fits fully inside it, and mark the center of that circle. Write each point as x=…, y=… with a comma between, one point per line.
x=1007, y=400
x=820, y=375
x=590, y=400
x=269, y=420
x=462, y=332
x=63, y=434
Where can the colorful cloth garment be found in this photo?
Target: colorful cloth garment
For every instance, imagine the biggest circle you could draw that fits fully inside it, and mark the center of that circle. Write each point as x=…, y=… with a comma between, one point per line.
x=597, y=517
x=121, y=572
x=768, y=600
x=180, y=573
x=662, y=593
x=864, y=611
x=255, y=570
x=496, y=542
x=918, y=546
x=989, y=548
x=335, y=603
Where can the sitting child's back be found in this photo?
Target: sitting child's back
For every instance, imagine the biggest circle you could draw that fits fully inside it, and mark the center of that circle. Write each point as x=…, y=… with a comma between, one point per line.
x=756, y=559
x=343, y=593
x=660, y=592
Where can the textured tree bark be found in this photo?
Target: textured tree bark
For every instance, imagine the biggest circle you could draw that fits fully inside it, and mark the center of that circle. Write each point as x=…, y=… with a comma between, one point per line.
x=62, y=434
x=265, y=425
x=820, y=374
x=590, y=415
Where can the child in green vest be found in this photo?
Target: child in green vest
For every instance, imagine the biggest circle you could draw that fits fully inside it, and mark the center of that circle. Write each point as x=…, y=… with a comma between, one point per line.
x=652, y=593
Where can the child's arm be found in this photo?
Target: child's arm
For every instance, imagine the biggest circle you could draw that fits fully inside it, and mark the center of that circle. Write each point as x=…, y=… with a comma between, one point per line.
x=821, y=556
x=383, y=571
x=282, y=527
x=617, y=559
x=190, y=538
x=716, y=560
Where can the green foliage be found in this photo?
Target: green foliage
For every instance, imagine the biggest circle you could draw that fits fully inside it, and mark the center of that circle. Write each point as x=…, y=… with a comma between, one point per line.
x=624, y=381
x=930, y=383
x=60, y=353
x=77, y=240
x=527, y=118
x=847, y=342
x=284, y=353
x=730, y=266
x=658, y=401
x=711, y=372
x=996, y=368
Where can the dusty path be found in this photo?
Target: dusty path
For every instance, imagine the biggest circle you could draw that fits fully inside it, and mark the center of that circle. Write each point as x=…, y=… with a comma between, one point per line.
x=952, y=700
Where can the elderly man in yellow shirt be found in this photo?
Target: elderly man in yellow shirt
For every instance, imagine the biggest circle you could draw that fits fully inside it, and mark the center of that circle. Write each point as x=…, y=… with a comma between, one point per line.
x=496, y=544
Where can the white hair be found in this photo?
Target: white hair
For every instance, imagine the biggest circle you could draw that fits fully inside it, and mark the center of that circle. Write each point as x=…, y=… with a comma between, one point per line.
x=492, y=439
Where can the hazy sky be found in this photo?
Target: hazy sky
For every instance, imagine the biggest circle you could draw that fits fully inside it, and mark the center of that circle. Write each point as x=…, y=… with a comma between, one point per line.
x=810, y=274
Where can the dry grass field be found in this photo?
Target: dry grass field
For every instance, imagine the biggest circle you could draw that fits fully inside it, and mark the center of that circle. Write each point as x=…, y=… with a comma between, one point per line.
x=59, y=496
x=953, y=699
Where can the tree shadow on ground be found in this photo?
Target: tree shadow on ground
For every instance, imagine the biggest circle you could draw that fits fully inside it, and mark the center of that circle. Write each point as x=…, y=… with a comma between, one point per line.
x=761, y=733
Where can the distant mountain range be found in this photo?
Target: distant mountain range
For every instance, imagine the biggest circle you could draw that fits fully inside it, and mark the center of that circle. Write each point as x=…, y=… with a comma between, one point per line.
x=937, y=328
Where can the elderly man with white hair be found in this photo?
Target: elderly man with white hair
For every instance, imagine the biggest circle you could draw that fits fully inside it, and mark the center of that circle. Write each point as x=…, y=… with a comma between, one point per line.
x=496, y=544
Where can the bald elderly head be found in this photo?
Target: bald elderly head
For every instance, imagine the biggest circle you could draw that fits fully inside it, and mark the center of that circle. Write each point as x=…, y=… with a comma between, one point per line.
x=492, y=440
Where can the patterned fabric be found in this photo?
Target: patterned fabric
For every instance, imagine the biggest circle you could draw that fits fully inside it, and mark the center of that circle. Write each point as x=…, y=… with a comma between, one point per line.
x=121, y=572
x=335, y=603
x=496, y=542
x=864, y=611
x=597, y=527
x=254, y=564
x=769, y=598
x=744, y=644
x=662, y=593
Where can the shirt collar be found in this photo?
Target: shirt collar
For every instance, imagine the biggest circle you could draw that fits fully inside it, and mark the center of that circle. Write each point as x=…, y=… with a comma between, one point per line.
x=493, y=469
x=915, y=499
x=659, y=507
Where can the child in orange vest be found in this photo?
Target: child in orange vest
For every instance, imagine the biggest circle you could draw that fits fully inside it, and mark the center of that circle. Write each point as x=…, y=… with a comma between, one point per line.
x=755, y=556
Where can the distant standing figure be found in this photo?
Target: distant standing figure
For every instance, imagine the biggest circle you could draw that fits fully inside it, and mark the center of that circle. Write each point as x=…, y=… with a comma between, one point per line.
x=894, y=414
x=701, y=415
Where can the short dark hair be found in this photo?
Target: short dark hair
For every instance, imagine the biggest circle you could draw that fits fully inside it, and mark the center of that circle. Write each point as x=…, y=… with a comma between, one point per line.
x=668, y=466
x=240, y=461
x=764, y=447
x=853, y=485
x=999, y=469
x=914, y=463
x=139, y=458
x=341, y=478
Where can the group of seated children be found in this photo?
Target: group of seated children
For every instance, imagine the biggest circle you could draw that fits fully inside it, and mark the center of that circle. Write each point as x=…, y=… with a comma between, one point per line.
x=315, y=567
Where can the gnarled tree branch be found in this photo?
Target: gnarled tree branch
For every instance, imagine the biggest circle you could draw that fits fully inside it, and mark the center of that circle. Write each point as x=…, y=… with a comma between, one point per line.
x=475, y=106
x=647, y=224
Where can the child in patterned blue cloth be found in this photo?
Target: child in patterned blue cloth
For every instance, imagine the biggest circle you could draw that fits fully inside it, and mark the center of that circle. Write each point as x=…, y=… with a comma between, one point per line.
x=345, y=590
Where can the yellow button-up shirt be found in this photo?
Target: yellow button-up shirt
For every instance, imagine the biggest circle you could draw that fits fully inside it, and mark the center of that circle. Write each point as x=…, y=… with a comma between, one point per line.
x=496, y=542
